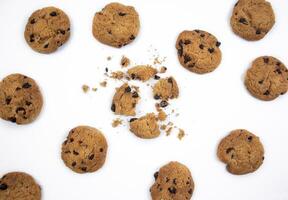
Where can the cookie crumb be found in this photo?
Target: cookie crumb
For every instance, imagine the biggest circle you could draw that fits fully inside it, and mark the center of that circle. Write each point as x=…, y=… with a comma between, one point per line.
x=117, y=75
x=109, y=58
x=116, y=122
x=168, y=131
x=181, y=134
x=103, y=83
x=85, y=88
x=162, y=116
x=163, y=70
x=159, y=61
x=163, y=127
x=94, y=89
x=125, y=62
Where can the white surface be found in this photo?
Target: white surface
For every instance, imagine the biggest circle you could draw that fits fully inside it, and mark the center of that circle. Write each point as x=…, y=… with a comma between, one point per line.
x=209, y=105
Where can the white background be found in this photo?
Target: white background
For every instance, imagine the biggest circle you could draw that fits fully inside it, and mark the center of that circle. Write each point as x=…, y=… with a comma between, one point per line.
x=210, y=105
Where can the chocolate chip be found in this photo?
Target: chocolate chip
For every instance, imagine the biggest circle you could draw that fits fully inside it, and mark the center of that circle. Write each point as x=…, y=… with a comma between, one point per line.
x=106, y=69
x=201, y=46
x=260, y=82
x=32, y=38
x=46, y=46
x=266, y=60
x=229, y=150
x=236, y=4
x=8, y=100
x=218, y=44
x=109, y=31
x=258, y=32
x=32, y=21
x=53, y=14
x=186, y=42
x=113, y=107
x=73, y=164
x=156, y=77
x=132, y=37
x=266, y=93
x=167, y=179
x=170, y=80
x=101, y=149
x=91, y=157
x=250, y=138
x=197, y=31
x=84, y=169
x=202, y=35
x=163, y=104
x=71, y=140
x=21, y=109
x=243, y=21
x=211, y=50
x=132, y=119
x=26, y=85
x=135, y=95
x=174, y=181
x=172, y=190
x=191, y=65
x=128, y=89
x=12, y=119
x=278, y=63
x=156, y=96
x=156, y=175
x=133, y=76
x=3, y=186
x=68, y=29
x=180, y=51
x=263, y=158
x=67, y=152
x=190, y=191
x=122, y=14
x=133, y=105
x=187, y=59
x=75, y=153
x=80, y=142
x=278, y=71
x=62, y=32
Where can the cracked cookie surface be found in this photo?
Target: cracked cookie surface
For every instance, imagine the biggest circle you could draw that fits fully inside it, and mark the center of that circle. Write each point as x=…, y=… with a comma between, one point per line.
x=19, y=186
x=242, y=151
x=20, y=99
x=116, y=25
x=142, y=72
x=267, y=78
x=173, y=182
x=84, y=150
x=198, y=51
x=165, y=89
x=47, y=29
x=145, y=127
x=125, y=100
x=252, y=19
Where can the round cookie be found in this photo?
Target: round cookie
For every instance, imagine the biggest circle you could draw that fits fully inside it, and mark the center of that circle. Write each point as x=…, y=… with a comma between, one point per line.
x=19, y=186
x=20, y=99
x=267, y=78
x=198, y=51
x=47, y=29
x=173, y=182
x=242, y=151
x=84, y=150
x=252, y=19
x=116, y=25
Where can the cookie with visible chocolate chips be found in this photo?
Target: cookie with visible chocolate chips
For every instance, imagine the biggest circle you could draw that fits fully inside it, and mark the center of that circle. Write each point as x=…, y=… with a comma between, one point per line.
x=116, y=25
x=267, y=78
x=20, y=99
x=84, y=150
x=252, y=19
x=142, y=72
x=173, y=182
x=47, y=29
x=242, y=151
x=19, y=186
x=145, y=127
x=125, y=100
x=198, y=51
x=165, y=89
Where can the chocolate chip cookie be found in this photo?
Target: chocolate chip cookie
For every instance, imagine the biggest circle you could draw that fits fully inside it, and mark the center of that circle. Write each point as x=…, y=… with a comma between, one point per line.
x=116, y=25
x=20, y=99
x=145, y=127
x=172, y=182
x=198, y=51
x=165, y=89
x=84, y=150
x=47, y=29
x=252, y=19
x=125, y=100
x=267, y=78
x=142, y=72
x=19, y=186
x=242, y=151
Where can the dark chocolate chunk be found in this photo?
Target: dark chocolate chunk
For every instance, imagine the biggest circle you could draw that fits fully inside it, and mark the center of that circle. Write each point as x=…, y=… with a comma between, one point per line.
x=243, y=21
x=218, y=44
x=172, y=190
x=26, y=85
x=187, y=59
x=122, y=14
x=163, y=104
x=211, y=50
x=156, y=175
x=266, y=93
x=91, y=157
x=128, y=89
x=201, y=46
x=3, y=186
x=53, y=14
x=73, y=164
x=113, y=107
x=132, y=119
x=8, y=100
x=156, y=96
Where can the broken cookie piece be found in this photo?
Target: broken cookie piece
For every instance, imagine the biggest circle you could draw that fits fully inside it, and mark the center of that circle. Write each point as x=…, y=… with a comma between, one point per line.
x=166, y=89
x=125, y=62
x=125, y=100
x=145, y=127
x=142, y=72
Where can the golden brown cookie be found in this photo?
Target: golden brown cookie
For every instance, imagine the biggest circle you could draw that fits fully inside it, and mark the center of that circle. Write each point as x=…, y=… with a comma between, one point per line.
x=173, y=182
x=145, y=127
x=165, y=89
x=142, y=72
x=20, y=99
x=84, y=150
x=116, y=25
x=242, y=151
x=267, y=78
x=19, y=186
x=47, y=29
x=198, y=51
x=252, y=19
x=125, y=100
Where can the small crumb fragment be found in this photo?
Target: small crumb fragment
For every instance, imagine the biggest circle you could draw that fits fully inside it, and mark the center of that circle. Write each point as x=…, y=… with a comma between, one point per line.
x=109, y=58
x=116, y=122
x=117, y=75
x=168, y=131
x=159, y=61
x=125, y=62
x=162, y=116
x=163, y=127
x=103, y=83
x=85, y=88
x=181, y=134
x=163, y=70
x=94, y=89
